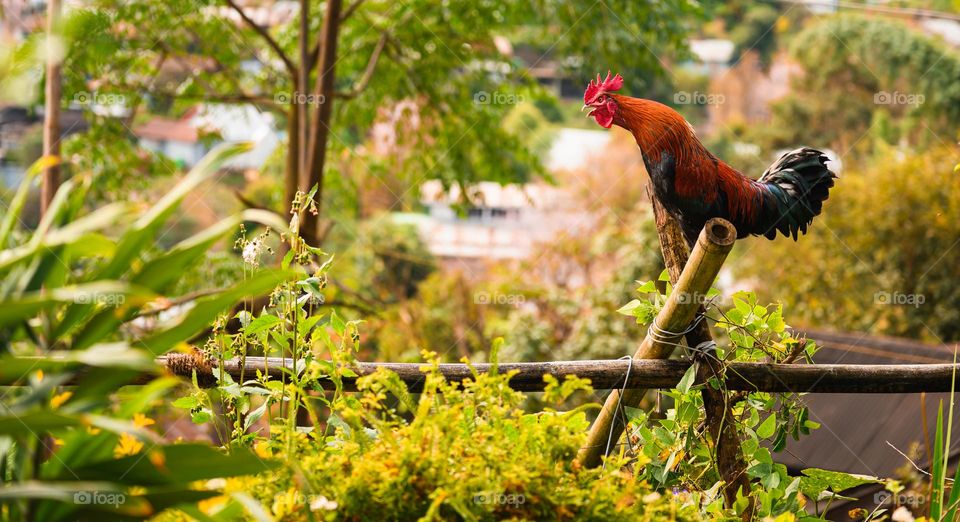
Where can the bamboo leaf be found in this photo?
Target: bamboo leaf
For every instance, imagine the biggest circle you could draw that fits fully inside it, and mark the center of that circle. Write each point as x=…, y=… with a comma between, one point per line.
x=175, y=464
x=938, y=471
x=15, y=209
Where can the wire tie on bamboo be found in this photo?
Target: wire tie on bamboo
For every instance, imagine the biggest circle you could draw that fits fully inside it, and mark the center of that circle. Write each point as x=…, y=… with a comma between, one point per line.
x=626, y=379
x=661, y=335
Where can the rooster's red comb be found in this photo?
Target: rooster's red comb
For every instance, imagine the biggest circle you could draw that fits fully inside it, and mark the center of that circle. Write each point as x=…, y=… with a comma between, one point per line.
x=598, y=87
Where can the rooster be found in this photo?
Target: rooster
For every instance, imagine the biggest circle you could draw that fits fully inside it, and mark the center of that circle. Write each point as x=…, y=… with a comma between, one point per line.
x=695, y=186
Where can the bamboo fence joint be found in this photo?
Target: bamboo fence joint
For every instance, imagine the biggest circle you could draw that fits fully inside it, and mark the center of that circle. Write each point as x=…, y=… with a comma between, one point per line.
x=714, y=243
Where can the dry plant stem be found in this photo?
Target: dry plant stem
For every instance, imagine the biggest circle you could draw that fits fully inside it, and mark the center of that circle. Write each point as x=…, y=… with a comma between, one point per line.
x=711, y=250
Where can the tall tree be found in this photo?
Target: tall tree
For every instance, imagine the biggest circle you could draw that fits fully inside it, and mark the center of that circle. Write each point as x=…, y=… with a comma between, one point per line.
x=868, y=74
x=333, y=70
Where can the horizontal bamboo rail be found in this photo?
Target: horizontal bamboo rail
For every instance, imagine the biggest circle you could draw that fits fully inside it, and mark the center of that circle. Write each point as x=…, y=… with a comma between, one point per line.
x=609, y=374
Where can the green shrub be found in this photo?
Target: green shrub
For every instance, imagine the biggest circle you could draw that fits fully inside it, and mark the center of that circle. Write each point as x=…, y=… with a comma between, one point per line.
x=456, y=453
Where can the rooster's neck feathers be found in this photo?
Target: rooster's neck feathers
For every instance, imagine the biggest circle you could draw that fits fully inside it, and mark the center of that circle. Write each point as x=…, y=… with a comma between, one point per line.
x=658, y=129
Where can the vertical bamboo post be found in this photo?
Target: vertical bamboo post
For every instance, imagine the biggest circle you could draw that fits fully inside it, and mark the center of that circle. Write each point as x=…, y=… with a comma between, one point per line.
x=678, y=312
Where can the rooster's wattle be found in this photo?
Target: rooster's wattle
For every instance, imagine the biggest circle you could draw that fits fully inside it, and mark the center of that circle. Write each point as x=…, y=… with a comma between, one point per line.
x=695, y=186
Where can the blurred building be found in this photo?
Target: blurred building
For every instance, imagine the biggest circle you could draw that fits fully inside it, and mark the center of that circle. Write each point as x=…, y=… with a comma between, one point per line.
x=187, y=139
x=745, y=90
x=500, y=222
x=713, y=55
x=506, y=222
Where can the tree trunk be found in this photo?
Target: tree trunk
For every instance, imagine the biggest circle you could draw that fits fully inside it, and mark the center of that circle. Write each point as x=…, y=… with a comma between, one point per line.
x=51, y=116
x=320, y=126
x=717, y=409
x=291, y=183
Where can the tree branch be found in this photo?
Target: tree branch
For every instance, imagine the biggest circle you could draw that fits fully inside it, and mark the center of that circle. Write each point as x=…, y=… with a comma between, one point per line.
x=265, y=35
x=224, y=98
x=368, y=72
x=247, y=202
x=350, y=9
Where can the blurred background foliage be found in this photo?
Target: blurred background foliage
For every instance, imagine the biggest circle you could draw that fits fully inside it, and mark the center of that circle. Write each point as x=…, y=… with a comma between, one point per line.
x=891, y=229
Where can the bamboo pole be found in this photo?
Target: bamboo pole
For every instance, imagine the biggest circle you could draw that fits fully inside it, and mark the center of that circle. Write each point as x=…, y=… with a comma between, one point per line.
x=708, y=255
x=610, y=374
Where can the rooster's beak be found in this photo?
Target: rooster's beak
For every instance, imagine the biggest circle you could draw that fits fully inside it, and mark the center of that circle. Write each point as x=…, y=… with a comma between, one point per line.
x=585, y=107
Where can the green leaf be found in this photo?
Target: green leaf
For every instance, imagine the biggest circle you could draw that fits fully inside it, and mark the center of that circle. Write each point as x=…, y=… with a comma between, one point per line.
x=260, y=324
x=67, y=492
x=114, y=355
x=768, y=427
x=201, y=417
x=189, y=402
x=816, y=481
x=175, y=464
x=689, y=377
x=15, y=208
x=647, y=287
x=630, y=308
x=31, y=424
x=337, y=323
x=938, y=471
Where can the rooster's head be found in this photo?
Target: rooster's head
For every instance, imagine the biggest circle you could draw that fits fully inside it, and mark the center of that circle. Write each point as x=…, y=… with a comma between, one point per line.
x=597, y=97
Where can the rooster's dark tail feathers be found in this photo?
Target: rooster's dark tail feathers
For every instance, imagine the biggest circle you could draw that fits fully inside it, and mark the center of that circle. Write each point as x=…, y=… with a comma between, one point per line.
x=793, y=191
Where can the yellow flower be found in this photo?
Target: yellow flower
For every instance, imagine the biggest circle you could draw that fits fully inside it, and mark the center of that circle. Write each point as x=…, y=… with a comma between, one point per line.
x=158, y=459
x=39, y=375
x=59, y=399
x=142, y=421
x=127, y=445
x=212, y=505
x=782, y=24
x=287, y=503
x=58, y=442
x=93, y=431
x=262, y=450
